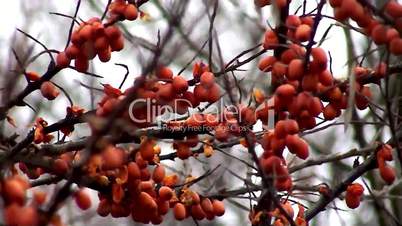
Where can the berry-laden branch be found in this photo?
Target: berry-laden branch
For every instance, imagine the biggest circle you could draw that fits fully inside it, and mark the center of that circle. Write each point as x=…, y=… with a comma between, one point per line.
x=324, y=200
x=123, y=153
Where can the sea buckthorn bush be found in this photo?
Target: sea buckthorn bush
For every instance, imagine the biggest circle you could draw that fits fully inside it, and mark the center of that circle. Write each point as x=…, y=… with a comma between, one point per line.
x=194, y=133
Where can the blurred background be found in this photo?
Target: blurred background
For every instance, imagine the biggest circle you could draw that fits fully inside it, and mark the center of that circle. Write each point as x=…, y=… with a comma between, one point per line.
x=239, y=26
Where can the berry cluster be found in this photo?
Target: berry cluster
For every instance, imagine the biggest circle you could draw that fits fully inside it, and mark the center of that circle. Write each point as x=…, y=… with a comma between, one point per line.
x=387, y=172
x=139, y=186
x=122, y=10
x=380, y=33
x=91, y=39
x=18, y=212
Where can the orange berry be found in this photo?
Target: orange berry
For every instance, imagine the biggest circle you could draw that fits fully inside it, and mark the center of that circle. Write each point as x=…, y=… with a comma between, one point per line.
x=310, y=82
x=309, y=20
x=158, y=174
x=197, y=212
x=27, y=216
x=134, y=171
x=219, y=207
x=293, y=21
x=104, y=208
x=183, y=151
x=131, y=12
x=214, y=93
x=297, y=146
x=14, y=191
x=355, y=189
x=352, y=201
x=207, y=206
x=147, y=202
x=285, y=91
x=386, y=152
x=379, y=34
x=62, y=61
x=147, y=150
x=164, y=73
x=279, y=69
x=118, y=7
x=60, y=166
x=99, y=29
x=271, y=164
x=280, y=129
x=145, y=174
x=363, y=98
x=290, y=54
x=335, y=94
x=280, y=3
x=32, y=76
x=140, y=161
x=391, y=34
x=179, y=211
x=81, y=64
x=146, y=186
x=348, y=6
x=320, y=57
x=325, y=78
x=101, y=43
x=381, y=70
x=266, y=63
x=358, y=13
x=165, y=193
x=315, y=107
x=112, y=32
x=340, y=14
x=394, y=9
x=270, y=40
x=291, y=126
x=156, y=219
x=112, y=158
x=335, y=3
x=201, y=93
x=166, y=91
x=12, y=214
x=262, y=3
x=295, y=69
x=86, y=32
x=189, y=96
x=117, y=44
x=207, y=79
x=303, y=32
x=76, y=38
x=180, y=85
x=49, y=91
x=330, y=112
x=387, y=174
x=72, y=51
x=105, y=55
x=82, y=199
x=353, y=193
x=163, y=207
x=395, y=46
x=277, y=145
